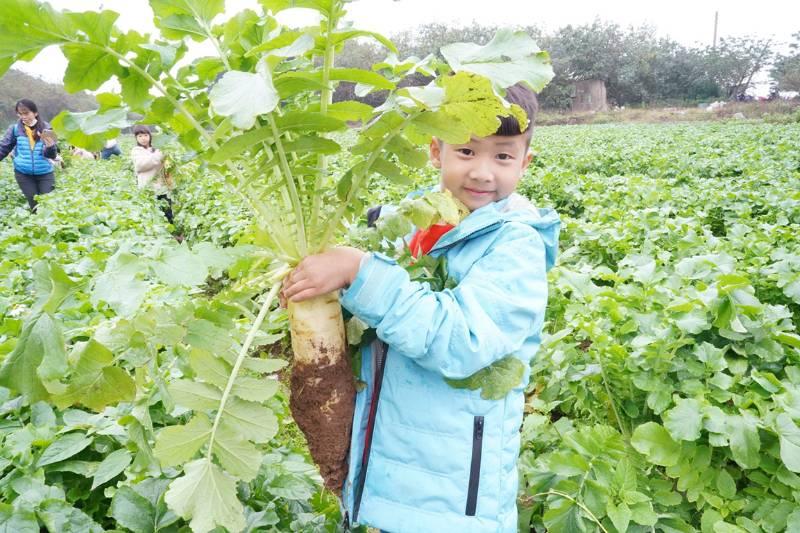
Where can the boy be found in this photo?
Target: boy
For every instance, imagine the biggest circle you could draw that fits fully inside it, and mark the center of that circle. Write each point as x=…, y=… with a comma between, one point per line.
x=426, y=456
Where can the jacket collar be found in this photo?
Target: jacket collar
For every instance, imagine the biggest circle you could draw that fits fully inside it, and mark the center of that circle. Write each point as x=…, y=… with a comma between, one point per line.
x=479, y=221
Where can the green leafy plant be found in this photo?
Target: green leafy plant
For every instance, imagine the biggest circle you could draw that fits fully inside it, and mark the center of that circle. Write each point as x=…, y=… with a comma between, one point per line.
x=259, y=114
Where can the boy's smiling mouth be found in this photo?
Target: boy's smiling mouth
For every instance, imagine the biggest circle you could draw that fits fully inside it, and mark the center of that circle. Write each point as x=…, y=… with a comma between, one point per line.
x=478, y=192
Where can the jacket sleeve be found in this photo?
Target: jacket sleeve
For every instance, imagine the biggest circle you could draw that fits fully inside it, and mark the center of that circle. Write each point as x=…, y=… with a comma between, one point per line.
x=8, y=143
x=456, y=332
x=144, y=160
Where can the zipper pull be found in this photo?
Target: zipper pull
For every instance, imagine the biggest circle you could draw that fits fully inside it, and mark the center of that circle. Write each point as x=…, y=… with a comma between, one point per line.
x=478, y=434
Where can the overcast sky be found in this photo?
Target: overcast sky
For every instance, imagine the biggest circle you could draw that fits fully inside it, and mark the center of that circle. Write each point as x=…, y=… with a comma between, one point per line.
x=687, y=21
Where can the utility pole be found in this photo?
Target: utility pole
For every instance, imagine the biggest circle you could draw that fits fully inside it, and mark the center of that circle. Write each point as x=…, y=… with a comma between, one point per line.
x=716, y=23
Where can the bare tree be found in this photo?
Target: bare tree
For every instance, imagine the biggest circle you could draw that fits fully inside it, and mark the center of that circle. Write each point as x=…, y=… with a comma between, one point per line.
x=736, y=60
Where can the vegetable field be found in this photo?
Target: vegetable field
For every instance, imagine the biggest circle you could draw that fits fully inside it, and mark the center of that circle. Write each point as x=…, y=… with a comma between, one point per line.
x=148, y=384
x=666, y=396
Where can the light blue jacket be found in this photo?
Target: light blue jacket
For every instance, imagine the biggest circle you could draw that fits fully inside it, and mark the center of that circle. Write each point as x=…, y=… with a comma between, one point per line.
x=443, y=459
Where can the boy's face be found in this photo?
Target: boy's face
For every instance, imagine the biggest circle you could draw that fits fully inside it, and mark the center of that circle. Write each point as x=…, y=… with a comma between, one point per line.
x=484, y=170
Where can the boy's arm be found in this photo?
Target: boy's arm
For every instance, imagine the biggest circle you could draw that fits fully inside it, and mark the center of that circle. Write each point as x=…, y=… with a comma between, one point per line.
x=459, y=331
x=8, y=143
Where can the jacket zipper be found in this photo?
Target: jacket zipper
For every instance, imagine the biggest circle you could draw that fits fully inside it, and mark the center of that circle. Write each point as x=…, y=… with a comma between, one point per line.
x=475, y=465
x=380, y=365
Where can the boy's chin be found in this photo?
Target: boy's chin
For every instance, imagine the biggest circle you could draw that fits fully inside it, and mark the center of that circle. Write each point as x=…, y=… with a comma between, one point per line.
x=476, y=203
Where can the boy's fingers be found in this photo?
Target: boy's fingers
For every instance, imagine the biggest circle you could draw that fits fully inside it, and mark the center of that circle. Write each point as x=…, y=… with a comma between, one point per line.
x=305, y=294
x=296, y=287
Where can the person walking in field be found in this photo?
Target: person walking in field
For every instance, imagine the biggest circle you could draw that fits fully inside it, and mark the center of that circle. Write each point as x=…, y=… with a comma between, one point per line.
x=426, y=456
x=32, y=144
x=148, y=162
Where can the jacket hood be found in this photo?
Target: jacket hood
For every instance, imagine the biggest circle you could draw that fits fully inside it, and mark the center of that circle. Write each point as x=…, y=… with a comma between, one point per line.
x=517, y=208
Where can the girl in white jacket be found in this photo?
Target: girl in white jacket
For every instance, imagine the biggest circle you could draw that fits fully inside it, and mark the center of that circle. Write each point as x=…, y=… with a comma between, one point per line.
x=148, y=162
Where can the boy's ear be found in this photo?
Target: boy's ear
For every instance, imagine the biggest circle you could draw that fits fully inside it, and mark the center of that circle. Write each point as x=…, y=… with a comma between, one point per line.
x=436, y=152
x=526, y=161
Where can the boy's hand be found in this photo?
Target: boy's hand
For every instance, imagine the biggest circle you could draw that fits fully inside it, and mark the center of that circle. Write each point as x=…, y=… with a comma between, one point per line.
x=322, y=273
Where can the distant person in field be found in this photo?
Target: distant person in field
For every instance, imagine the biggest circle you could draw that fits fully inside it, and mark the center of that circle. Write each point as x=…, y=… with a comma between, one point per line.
x=32, y=144
x=110, y=149
x=81, y=153
x=148, y=162
x=426, y=456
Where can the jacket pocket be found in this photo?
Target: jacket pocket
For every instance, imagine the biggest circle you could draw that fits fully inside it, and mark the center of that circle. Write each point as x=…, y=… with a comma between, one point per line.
x=475, y=465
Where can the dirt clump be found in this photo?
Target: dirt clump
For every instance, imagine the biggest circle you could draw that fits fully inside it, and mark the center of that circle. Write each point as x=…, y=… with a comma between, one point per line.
x=322, y=402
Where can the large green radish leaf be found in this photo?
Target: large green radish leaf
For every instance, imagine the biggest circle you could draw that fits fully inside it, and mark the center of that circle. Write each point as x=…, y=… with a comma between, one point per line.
x=112, y=466
x=742, y=431
x=685, y=420
x=90, y=129
x=243, y=96
x=496, y=380
x=235, y=453
x=28, y=27
x=790, y=442
x=177, y=444
x=308, y=121
x=17, y=520
x=38, y=357
x=63, y=448
x=96, y=382
x=510, y=57
x=655, y=443
x=179, y=18
x=207, y=496
x=323, y=6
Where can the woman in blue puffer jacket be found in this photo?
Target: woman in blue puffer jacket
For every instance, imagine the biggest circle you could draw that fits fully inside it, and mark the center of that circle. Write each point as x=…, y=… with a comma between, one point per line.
x=32, y=143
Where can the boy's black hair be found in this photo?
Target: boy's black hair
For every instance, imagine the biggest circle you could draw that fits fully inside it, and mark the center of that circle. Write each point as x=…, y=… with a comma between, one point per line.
x=28, y=104
x=524, y=97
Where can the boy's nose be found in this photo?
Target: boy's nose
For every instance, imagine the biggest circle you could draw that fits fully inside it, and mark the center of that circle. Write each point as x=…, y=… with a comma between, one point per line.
x=481, y=171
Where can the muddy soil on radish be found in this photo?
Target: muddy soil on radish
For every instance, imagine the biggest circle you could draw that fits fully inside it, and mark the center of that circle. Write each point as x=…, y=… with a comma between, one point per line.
x=324, y=413
x=322, y=385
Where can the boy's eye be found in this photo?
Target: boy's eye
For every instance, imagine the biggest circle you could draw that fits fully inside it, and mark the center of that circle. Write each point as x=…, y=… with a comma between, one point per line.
x=465, y=151
x=504, y=157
